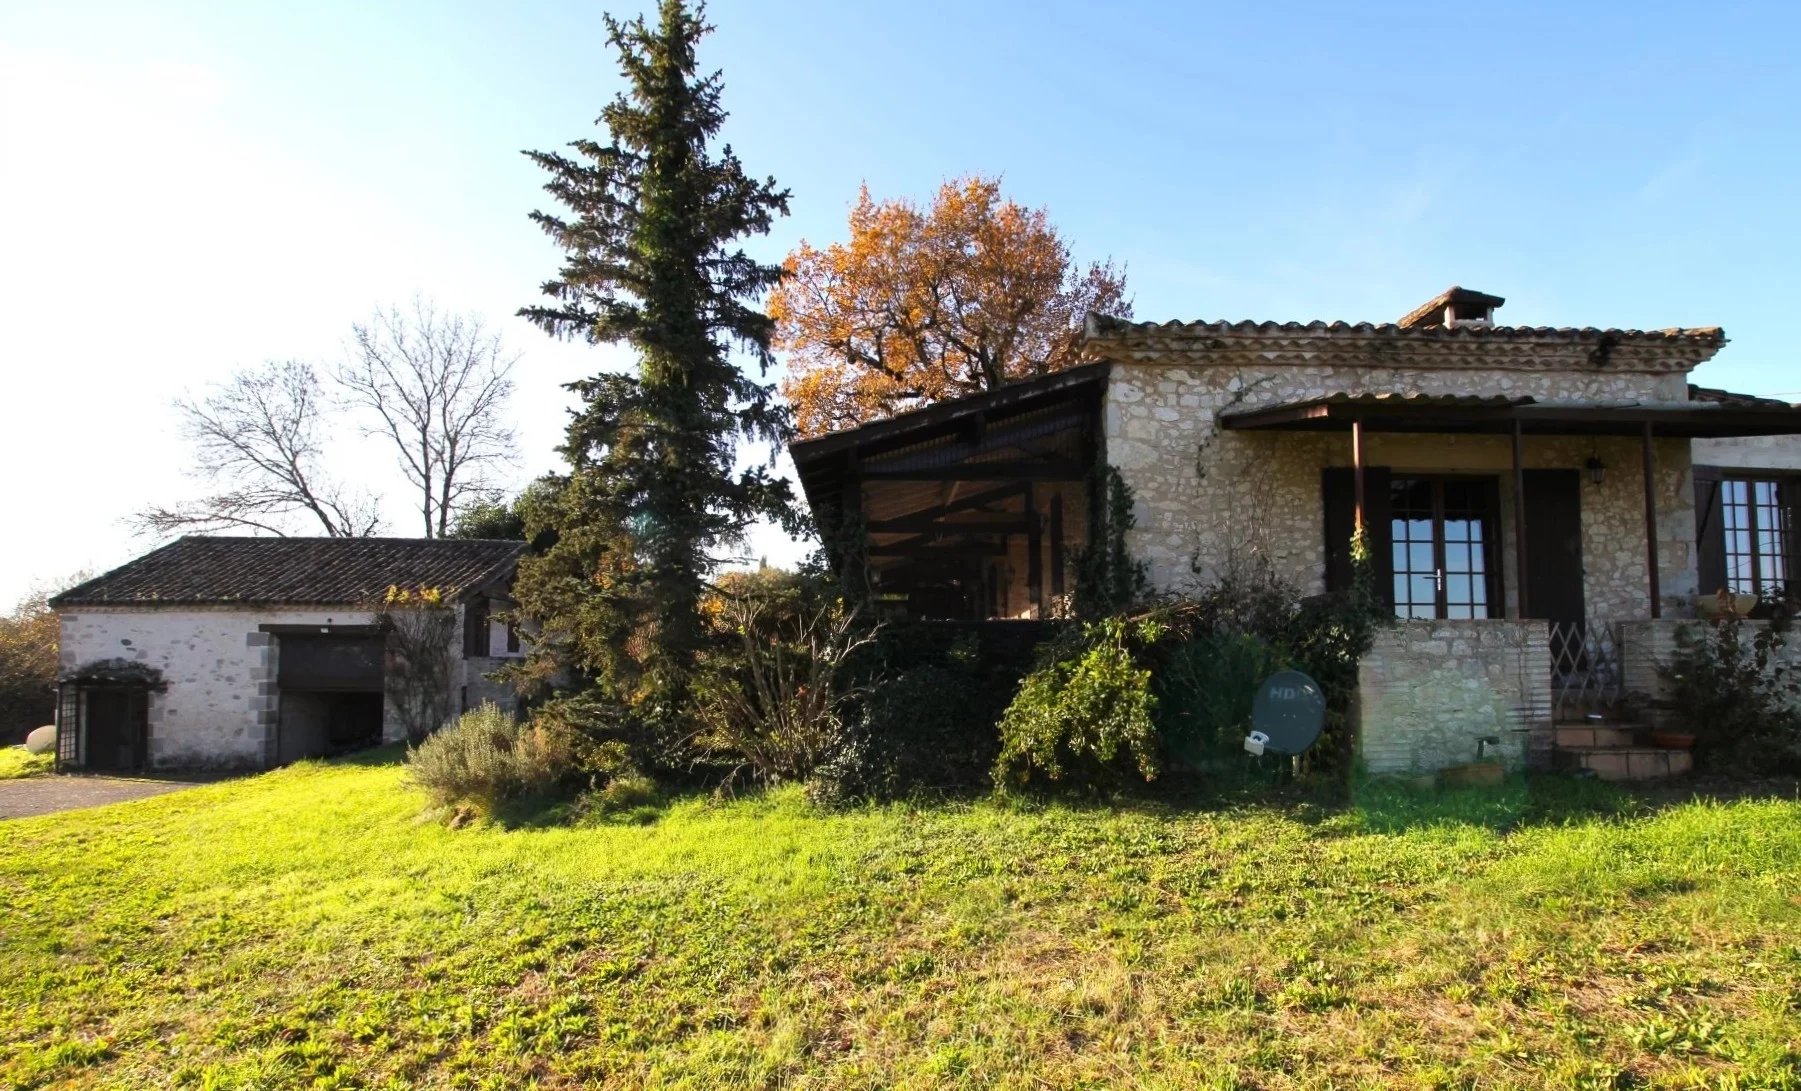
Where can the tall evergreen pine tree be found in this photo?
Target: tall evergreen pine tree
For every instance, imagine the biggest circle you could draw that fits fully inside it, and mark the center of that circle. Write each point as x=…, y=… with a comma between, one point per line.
x=653, y=493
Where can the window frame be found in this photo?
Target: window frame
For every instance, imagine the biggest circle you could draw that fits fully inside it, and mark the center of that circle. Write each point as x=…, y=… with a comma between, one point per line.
x=1784, y=486
x=1488, y=492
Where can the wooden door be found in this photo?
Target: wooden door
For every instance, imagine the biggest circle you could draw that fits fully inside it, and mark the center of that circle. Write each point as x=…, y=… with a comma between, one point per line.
x=1554, y=545
x=117, y=728
x=1554, y=562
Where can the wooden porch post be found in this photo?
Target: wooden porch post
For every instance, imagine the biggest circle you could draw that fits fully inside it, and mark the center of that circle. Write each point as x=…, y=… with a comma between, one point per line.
x=1519, y=520
x=1357, y=475
x=1651, y=562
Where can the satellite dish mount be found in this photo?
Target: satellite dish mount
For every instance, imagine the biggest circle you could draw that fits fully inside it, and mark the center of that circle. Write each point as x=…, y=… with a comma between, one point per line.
x=1286, y=716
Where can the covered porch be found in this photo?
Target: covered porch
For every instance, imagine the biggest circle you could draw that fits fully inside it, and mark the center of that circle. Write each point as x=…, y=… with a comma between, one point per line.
x=1522, y=545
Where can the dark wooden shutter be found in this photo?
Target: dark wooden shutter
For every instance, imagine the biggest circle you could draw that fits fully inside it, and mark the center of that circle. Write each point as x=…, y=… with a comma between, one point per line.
x=1710, y=531
x=1338, y=495
x=1338, y=491
x=1788, y=493
x=475, y=628
x=1491, y=548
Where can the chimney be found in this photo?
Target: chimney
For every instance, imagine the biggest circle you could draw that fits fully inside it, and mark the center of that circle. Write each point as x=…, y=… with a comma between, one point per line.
x=1451, y=308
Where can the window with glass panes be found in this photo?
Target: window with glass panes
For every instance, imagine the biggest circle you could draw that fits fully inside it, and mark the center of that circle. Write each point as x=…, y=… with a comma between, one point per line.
x=1443, y=531
x=1756, y=524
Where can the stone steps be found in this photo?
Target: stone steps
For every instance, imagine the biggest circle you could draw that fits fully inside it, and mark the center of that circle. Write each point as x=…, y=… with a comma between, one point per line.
x=1626, y=762
x=1570, y=736
x=1612, y=750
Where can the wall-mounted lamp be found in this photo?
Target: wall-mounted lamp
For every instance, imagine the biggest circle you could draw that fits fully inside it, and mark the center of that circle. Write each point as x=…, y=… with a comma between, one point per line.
x=1597, y=470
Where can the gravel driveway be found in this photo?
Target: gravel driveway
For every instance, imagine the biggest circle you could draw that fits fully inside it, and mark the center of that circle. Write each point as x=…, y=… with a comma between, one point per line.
x=49, y=794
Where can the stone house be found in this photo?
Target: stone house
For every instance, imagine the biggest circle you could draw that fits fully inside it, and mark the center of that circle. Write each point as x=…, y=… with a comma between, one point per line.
x=255, y=652
x=1538, y=500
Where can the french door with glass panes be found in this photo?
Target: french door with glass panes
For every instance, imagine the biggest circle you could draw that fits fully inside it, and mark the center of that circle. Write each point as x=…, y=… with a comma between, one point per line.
x=1444, y=533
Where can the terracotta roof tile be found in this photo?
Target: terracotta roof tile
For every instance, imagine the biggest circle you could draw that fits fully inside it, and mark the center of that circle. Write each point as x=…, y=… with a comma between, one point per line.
x=298, y=571
x=1101, y=325
x=1727, y=397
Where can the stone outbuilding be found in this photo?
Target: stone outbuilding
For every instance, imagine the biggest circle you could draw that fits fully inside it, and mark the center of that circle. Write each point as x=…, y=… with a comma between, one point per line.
x=255, y=652
x=1535, y=498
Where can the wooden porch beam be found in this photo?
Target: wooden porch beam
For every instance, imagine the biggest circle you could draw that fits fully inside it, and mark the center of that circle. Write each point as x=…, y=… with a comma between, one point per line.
x=1057, y=469
x=952, y=507
x=951, y=550
x=935, y=524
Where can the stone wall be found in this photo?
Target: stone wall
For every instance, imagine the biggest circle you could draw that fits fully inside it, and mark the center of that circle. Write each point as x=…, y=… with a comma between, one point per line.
x=479, y=687
x=1429, y=690
x=221, y=704
x=1750, y=453
x=1209, y=498
x=1647, y=646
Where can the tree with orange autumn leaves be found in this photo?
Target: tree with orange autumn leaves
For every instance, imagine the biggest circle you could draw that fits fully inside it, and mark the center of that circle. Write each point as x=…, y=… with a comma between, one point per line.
x=921, y=305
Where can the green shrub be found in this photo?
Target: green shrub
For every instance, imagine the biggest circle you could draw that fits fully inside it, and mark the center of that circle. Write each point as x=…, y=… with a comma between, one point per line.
x=1737, y=689
x=1115, y=698
x=604, y=739
x=625, y=793
x=1109, y=579
x=926, y=729
x=1085, y=719
x=486, y=758
x=928, y=718
x=1205, y=687
x=1324, y=636
x=772, y=692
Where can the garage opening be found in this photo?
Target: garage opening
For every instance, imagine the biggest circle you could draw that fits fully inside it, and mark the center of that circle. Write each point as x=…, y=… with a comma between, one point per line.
x=330, y=687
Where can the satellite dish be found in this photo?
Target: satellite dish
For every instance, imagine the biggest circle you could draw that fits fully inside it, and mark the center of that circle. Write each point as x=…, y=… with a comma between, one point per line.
x=1286, y=715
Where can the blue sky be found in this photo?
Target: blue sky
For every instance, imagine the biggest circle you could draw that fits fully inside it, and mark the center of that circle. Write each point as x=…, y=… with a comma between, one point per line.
x=187, y=187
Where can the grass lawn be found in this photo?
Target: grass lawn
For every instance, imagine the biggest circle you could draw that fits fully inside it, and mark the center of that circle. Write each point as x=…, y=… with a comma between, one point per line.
x=16, y=762
x=315, y=928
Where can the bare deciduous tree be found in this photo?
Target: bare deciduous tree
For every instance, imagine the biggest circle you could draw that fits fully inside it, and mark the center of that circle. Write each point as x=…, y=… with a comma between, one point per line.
x=258, y=439
x=436, y=384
